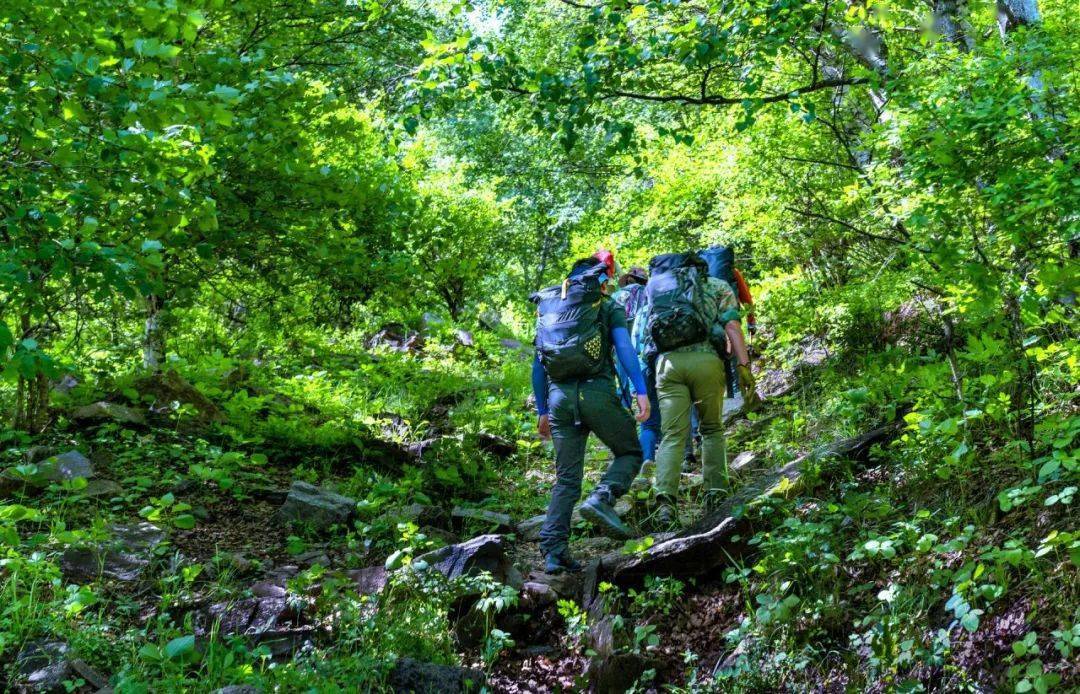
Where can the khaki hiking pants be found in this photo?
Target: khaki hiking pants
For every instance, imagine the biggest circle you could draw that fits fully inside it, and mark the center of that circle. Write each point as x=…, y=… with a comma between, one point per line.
x=685, y=380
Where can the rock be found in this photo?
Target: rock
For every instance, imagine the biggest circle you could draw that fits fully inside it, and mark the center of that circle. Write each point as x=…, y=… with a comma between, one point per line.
x=102, y=489
x=317, y=507
x=369, y=581
x=121, y=559
x=92, y=677
x=312, y=557
x=58, y=468
x=483, y=553
x=528, y=530
x=464, y=338
x=416, y=450
x=496, y=445
x=42, y=666
x=510, y=344
x=565, y=585
x=108, y=412
x=169, y=388
x=499, y=522
x=536, y=595
x=268, y=589
x=271, y=495
x=744, y=461
x=396, y=337
x=238, y=689
x=415, y=677
x=616, y=673
x=65, y=385
x=66, y=466
x=137, y=536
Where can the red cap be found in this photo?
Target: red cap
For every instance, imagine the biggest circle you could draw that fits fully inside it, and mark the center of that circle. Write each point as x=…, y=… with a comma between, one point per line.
x=607, y=258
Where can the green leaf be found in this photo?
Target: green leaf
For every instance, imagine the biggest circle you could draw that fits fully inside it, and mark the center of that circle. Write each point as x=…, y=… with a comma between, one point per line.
x=184, y=521
x=181, y=648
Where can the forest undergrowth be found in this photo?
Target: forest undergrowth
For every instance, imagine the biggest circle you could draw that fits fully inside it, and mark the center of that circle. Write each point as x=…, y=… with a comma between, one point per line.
x=265, y=343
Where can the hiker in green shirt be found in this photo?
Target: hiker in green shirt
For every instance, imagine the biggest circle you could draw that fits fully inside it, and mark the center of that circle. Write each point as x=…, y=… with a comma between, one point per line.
x=688, y=316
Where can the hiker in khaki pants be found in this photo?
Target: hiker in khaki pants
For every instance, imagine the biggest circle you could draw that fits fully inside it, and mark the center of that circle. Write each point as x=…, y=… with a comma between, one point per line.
x=690, y=373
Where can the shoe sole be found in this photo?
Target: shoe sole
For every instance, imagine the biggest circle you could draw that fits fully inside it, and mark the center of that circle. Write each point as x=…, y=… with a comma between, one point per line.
x=597, y=520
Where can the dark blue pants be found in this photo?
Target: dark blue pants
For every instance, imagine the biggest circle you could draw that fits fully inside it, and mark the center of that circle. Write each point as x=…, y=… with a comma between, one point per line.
x=575, y=410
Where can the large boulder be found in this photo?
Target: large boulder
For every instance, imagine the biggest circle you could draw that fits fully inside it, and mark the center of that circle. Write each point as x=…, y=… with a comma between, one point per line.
x=416, y=677
x=66, y=466
x=483, y=553
x=123, y=558
x=267, y=618
x=369, y=581
x=43, y=666
x=316, y=507
x=57, y=468
x=99, y=412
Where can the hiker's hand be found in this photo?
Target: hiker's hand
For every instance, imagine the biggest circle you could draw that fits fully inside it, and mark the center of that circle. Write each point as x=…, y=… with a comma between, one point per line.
x=543, y=426
x=748, y=388
x=642, y=408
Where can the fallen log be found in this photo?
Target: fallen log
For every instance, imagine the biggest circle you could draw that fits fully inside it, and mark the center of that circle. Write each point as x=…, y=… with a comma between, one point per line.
x=712, y=540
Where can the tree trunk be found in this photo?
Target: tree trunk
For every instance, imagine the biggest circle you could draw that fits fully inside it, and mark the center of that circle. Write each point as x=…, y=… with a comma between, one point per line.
x=153, y=347
x=1016, y=13
x=950, y=22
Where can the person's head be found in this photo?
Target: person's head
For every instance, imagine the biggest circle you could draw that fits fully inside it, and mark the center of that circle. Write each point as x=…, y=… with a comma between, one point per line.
x=590, y=264
x=608, y=259
x=637, y=275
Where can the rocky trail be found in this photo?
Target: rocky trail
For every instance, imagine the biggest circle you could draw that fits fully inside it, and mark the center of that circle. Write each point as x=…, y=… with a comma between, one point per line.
x=255, y=593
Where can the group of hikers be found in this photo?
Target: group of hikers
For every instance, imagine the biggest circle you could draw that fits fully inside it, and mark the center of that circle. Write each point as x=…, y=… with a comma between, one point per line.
x=659, y=346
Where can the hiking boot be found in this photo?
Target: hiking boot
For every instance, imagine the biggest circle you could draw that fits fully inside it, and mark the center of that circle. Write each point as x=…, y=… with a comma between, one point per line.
x=667, y=513
x=559, y=562
x=714, y=499
x=598, y=511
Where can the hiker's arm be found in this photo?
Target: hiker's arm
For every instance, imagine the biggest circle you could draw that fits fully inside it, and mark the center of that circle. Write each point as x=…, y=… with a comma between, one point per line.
x=628, y=358
x=738, y=344
x=540, y=392
x=540, y=386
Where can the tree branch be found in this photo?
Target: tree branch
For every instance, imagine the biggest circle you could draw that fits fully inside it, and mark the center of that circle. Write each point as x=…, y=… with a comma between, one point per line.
x=731, y=101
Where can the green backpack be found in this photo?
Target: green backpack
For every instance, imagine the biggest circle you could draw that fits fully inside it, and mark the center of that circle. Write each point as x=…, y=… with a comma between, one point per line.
x=676, y=294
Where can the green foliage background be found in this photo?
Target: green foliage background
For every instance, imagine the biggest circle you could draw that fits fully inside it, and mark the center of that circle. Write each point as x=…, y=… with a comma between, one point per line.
x=246, y=192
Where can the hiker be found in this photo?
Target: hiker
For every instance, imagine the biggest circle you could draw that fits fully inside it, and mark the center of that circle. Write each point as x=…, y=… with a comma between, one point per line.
x=721, y=261
x=577, y=329
x=648, y=430
x=688, y=316
x=631, y=297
